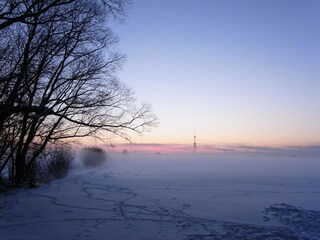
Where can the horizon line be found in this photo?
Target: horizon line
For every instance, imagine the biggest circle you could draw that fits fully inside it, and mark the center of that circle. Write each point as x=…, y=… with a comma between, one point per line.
x=159, y=148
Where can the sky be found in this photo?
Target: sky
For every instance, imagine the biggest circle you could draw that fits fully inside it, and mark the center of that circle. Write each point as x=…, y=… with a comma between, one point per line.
x=232, y=72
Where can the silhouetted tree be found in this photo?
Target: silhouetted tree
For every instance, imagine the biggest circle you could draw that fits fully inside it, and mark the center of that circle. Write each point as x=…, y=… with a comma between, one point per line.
x=57, y=73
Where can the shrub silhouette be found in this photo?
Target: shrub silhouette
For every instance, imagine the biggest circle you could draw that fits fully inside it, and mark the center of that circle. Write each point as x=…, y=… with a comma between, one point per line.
x=60, y=163
x=93, y=157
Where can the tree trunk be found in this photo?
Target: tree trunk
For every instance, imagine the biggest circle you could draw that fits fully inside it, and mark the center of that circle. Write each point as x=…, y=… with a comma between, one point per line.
x=19, y=166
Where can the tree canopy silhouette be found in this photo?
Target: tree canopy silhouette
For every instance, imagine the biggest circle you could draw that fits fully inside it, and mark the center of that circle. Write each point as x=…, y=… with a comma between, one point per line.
x=58, y=78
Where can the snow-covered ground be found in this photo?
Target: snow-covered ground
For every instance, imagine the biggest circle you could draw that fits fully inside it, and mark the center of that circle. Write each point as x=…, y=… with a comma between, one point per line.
x=148, y=196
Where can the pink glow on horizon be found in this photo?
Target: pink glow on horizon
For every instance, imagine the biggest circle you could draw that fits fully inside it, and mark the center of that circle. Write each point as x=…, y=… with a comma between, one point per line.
x=294, y=150
x=169, y=148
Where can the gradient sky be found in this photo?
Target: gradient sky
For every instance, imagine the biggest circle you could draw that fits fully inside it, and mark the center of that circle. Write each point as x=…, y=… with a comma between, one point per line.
x=235, y=72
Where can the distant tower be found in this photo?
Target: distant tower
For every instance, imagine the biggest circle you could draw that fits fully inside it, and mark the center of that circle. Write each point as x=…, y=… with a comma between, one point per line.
x=194, y=142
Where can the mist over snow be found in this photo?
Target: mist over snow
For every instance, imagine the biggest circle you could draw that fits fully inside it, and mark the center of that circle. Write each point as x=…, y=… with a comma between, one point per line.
x=227, y=164
x=229, y=195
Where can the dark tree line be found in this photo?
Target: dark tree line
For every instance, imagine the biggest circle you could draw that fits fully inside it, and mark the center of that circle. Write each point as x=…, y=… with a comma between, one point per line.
x=57, y=79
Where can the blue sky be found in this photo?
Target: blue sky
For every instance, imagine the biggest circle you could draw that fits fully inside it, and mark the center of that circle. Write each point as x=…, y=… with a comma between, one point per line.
x=235, y=72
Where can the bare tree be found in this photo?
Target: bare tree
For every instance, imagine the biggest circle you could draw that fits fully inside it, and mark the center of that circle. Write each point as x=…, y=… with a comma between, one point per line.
x=14, y=11
x=22, y=11
x=58, y=79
